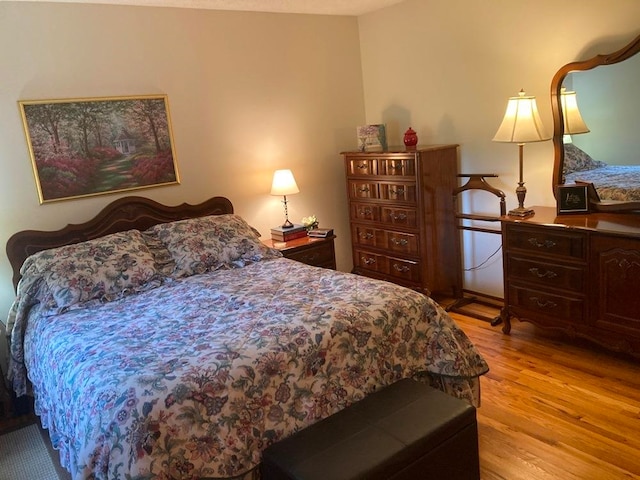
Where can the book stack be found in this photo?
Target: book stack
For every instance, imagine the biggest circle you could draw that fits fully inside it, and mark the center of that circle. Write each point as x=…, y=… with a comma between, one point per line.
x=320, y=232
x=280, y=234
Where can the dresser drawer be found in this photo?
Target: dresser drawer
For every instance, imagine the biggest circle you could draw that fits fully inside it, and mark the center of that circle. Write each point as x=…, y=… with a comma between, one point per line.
x=390, y=240
x=403, y=269
x=404, y=167
x=370, y=261
x=391, y=215
x=363, y=189
x=533, y=271
x=362, y=166
x=405, y=217
x=365, y=211
x=399, y=268
x=542, y=303
x=320, y=255
x=542, y=241
x=398, y=192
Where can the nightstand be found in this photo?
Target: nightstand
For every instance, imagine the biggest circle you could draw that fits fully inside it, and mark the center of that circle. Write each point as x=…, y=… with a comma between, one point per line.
x=318, y=252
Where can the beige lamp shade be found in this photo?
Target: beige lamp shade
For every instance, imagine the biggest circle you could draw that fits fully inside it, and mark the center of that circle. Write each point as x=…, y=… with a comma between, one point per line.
x=521, y=122
x=284, y=183
x=573, y=122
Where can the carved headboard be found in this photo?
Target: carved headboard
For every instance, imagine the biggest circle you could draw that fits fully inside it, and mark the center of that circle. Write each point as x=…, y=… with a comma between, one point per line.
x=123, y=214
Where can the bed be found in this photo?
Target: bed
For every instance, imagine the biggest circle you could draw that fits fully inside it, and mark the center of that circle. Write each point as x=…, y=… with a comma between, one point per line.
x=612, y=182
x=170, y=343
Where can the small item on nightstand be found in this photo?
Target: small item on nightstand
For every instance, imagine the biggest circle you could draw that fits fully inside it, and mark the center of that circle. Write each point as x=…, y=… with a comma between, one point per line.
x=310, y=222
x=410, y=138
x=320, y=232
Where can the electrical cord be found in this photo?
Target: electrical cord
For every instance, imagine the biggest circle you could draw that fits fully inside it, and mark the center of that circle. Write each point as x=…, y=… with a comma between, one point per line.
x=478, y=267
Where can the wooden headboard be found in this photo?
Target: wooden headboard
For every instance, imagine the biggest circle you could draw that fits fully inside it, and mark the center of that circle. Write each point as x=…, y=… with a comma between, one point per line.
x=123, y=214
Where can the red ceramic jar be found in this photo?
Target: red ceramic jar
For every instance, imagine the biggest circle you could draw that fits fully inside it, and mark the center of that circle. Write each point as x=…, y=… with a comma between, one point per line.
x=410, y=138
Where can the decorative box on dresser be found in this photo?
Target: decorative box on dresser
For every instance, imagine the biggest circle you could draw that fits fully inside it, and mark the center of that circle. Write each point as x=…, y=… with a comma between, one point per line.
x=401, y=216
x=579, y=274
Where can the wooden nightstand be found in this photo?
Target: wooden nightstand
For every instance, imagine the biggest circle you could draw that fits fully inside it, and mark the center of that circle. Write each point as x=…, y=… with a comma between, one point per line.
x=318, y=252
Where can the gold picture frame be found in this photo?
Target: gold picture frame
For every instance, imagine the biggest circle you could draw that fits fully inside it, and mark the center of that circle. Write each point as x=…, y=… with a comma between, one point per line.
x=91, y=146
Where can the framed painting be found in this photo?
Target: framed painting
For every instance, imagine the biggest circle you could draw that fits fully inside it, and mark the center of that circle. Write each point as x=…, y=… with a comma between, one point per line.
x=92, y=146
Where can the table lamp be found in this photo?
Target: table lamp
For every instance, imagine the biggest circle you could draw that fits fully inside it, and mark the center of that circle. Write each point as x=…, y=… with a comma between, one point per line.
x=521, y=124
x=284, y=184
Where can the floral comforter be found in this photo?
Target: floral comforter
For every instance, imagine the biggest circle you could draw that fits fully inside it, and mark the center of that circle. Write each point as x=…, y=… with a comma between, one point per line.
x=193, y=379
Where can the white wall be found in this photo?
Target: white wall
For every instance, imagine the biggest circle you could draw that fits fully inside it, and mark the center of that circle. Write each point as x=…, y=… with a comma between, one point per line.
x=252, y=92
x=447, y=67
x=248, y=92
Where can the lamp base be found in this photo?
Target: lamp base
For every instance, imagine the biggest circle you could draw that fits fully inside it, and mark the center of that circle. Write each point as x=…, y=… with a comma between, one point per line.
x=521, y=212
x=287, y=224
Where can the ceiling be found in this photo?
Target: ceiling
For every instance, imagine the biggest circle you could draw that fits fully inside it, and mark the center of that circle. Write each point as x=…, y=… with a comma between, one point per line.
x=317, y=7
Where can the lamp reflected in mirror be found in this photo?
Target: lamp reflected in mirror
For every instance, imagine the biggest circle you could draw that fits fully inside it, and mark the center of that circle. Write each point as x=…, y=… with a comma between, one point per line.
x=521, y=124
x=572, y=119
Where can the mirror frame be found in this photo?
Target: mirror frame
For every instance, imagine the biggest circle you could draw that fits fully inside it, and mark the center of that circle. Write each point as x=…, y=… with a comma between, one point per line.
x=624, y=53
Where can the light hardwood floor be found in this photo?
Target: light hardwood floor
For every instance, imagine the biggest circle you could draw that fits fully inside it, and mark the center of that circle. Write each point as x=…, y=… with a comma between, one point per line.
x=553, y=408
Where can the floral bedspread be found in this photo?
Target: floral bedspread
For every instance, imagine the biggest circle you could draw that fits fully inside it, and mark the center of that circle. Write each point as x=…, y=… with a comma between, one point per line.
x=613, y=182
x=193, y=379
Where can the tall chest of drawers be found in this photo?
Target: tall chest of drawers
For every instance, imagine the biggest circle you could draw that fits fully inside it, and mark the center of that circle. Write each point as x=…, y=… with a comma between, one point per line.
x=579, y=274
x=401, y=215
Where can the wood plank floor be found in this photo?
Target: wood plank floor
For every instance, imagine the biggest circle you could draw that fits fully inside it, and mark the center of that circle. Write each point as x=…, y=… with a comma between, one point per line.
x=553, y=408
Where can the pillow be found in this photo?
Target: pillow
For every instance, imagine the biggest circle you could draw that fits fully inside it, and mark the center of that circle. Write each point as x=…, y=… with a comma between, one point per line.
x=204, y=244
x=105, y=269
x=576, y=160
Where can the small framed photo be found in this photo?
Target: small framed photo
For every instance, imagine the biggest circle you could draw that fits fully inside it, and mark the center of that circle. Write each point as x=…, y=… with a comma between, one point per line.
x=372, y=138
x=572, y=199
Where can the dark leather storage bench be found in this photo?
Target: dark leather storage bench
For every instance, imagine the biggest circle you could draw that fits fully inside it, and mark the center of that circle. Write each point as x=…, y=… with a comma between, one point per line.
x=407, y=430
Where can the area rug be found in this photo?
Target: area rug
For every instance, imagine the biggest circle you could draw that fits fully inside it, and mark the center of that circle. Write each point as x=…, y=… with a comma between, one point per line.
x=24, y=455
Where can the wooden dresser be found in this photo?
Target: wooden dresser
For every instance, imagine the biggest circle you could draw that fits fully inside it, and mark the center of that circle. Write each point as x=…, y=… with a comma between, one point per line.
x=401, y=215
x=576, y=273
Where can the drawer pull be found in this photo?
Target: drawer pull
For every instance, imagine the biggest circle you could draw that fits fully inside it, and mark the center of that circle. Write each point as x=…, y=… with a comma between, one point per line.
x=546, y=274
x=543, y=303
x=402, y=216
x=366, y=235
x=400, y=242
x=364, y=190
x=396, y=191
x=310, y=258
x=365, y=211
x=368, y=260
x=546, y=244
x=362, y=166
x=400, y=268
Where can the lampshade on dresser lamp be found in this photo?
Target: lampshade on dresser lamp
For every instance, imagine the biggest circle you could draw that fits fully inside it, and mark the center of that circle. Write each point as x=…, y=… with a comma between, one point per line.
x=521, y=124
x=284, y=184
x=572, y=120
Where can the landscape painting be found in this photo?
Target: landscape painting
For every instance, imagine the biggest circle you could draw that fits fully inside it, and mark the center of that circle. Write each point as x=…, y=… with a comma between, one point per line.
x=83, y=147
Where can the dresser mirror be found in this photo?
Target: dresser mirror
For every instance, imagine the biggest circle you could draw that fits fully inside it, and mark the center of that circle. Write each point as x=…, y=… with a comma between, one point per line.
x=608, y=155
